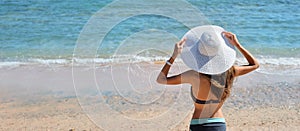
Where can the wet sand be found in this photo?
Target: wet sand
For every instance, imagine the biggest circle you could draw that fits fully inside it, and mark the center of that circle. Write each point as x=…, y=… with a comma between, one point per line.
x=44, y=98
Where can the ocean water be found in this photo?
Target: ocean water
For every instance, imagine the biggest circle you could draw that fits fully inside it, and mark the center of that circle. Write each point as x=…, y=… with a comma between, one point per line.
x=46, y=32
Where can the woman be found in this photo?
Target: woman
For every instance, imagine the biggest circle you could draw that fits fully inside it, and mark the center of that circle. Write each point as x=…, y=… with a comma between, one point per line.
x=209, y=51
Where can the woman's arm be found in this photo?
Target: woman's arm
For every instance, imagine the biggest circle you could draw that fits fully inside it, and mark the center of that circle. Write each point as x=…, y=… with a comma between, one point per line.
x=163, y=75
x=253, y=63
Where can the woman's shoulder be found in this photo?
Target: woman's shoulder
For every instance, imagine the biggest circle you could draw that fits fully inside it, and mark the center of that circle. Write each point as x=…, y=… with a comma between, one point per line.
x=193, y=74
x=190, y=72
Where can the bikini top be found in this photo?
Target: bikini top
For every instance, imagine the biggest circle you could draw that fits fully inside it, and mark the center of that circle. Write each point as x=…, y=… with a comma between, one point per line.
x=203, y=101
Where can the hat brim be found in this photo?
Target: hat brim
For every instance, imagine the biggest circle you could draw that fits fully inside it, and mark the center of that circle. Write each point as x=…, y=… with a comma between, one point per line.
x=217, y=64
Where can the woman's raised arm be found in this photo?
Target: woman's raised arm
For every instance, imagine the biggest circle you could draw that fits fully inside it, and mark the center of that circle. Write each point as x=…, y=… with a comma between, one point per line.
x=163, y=78
x=253, y=63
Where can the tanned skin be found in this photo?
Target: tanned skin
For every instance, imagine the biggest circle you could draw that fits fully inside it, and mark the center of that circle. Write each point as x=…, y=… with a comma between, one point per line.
x=201, y=86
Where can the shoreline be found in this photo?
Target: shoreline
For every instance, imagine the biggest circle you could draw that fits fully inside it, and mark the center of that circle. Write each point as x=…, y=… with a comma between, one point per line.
x=44, y=98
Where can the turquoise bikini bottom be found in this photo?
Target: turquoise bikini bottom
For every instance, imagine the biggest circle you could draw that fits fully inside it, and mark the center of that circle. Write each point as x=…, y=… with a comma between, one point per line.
x=206, y=120
x=208, y=124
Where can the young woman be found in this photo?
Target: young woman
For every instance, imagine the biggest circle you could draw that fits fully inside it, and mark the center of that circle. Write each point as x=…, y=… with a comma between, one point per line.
x=209, y=51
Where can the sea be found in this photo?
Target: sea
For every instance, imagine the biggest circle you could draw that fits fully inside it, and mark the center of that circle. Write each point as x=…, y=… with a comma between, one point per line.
x=49, y=32
x=48, y=37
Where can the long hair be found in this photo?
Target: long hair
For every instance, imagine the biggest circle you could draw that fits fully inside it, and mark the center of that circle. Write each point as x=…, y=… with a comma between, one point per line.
x=221, y=84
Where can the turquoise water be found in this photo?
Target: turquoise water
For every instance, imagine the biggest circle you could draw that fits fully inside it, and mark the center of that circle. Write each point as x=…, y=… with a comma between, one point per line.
x=48, y=30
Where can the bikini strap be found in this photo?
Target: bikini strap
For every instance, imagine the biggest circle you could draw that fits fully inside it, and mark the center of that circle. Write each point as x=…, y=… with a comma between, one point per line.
x=202, y=101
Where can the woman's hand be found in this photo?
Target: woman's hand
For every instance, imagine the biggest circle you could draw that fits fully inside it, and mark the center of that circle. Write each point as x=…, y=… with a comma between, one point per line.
x=231, y=38
x=178, y=48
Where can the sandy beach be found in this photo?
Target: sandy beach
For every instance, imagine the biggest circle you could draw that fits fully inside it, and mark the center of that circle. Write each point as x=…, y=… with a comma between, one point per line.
x=92, y=65
x=65, y=114
x=44, y=98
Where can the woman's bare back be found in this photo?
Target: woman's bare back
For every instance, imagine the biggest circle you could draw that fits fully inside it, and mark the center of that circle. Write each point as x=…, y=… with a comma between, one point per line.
x=201, y=90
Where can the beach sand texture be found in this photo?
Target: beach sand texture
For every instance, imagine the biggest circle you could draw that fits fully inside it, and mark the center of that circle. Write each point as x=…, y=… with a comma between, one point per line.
x=40, y=40
x=44, y=98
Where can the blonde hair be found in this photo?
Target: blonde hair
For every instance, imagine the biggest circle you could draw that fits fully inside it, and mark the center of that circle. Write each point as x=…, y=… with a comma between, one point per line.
x=221, y=84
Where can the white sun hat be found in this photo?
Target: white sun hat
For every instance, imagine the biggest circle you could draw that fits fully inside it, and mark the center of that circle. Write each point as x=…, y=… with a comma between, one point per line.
x=207, y=51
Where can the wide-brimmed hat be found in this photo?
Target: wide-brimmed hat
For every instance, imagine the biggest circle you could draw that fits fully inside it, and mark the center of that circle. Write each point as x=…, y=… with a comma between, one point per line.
x=207, y=51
